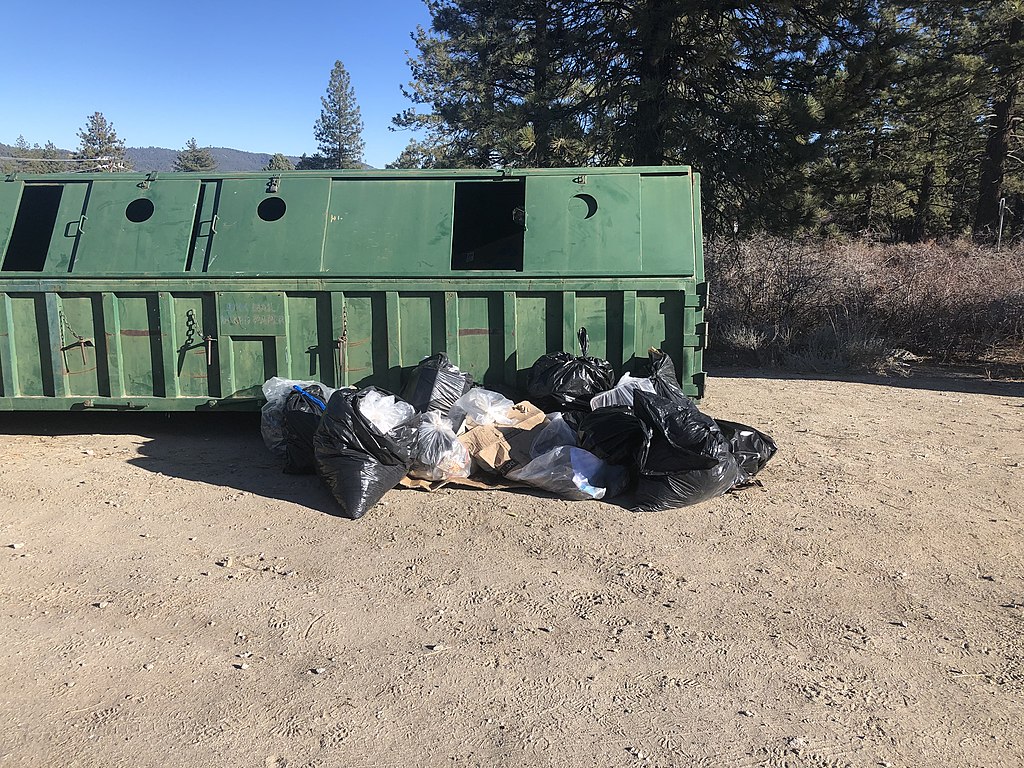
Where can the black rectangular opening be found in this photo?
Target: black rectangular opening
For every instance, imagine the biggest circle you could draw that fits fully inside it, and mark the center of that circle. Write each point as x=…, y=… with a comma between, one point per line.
x=33, y=228
x=490, y=218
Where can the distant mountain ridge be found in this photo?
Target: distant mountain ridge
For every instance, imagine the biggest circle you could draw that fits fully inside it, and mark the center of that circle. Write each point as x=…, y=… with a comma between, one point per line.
x=162, y=159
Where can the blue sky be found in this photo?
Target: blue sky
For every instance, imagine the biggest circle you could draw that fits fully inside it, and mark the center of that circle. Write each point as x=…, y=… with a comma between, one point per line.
x=244, y=75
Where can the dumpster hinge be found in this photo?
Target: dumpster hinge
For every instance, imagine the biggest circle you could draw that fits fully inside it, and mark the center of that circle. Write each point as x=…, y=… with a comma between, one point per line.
x=704, y=292
x=703, y=335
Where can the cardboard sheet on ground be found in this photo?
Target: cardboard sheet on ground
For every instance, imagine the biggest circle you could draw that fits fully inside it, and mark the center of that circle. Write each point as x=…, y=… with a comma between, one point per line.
x=481, y=481
x=496, y=450
x=500, y=449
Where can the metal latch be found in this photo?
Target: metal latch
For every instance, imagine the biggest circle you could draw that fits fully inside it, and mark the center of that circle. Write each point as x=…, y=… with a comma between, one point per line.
x=209, y=341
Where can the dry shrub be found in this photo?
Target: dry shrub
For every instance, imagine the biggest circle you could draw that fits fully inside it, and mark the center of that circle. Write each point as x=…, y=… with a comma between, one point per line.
x=827, y=305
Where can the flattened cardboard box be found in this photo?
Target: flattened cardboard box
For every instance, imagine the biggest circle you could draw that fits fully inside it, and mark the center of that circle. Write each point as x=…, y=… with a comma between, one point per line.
x=501, y=449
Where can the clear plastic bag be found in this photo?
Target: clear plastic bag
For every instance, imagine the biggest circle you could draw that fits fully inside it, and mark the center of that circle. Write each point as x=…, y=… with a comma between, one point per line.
x=622, y=393
x=439, y=454
x=276, y=391
x=556, y=434
x=481, y=406
x=384, y=410
x=573, y=473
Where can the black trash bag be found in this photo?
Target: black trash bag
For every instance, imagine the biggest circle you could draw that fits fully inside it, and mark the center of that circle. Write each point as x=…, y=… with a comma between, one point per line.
x=682, y=438
x=662, y=372
x=560, y=382
x=614, y=434
x=302, y=411
x=435, y=384
x=682, y=489
x=357, y=462
x=687, y=459
x=751, y=448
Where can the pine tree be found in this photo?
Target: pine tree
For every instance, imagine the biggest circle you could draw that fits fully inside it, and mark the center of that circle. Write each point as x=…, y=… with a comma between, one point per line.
x=505, y=83
x=1003, y=25
x=415, y=155
x=338, y=130
x=32, y=158
x=99, y=142
x=279, y=162
x=194, y=159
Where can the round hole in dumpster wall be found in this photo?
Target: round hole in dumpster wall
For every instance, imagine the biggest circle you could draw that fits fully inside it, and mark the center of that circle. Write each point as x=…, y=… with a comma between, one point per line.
x=139, y=210
x=271, y=209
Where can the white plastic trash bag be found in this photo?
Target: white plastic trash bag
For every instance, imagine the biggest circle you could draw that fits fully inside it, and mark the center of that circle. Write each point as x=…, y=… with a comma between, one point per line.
x=556, y=433
x=573, y=473
x=385, y=412
x=276, y=391
x=622, y=393
x=481, y=406
x=439, y=454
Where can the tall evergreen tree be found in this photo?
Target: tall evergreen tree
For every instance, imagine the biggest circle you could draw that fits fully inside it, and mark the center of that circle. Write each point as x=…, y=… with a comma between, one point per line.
x=194, y=159
x=99, y=142
x=1003, y=25
x=338, y=130
x=505, y=83
x=900, y=118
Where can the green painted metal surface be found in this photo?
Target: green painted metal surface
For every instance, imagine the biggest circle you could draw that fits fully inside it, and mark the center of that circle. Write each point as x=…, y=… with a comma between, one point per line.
x=180, y=292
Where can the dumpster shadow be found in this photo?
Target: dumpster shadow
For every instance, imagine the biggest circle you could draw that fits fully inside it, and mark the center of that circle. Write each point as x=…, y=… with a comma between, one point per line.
x=935, y=379
x=222, y=449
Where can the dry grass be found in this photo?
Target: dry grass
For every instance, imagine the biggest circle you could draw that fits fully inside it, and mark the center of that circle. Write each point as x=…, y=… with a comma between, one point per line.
x=828, y=305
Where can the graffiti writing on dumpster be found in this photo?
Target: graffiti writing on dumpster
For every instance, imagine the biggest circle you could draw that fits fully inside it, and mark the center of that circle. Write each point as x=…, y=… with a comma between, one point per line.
x=252, y=317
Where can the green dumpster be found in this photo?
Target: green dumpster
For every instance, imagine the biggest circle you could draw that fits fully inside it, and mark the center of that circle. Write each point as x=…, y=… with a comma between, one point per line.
x=183, y=291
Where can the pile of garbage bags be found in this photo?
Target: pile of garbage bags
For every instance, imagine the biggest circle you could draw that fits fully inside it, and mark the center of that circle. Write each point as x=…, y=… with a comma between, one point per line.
x=581, y=435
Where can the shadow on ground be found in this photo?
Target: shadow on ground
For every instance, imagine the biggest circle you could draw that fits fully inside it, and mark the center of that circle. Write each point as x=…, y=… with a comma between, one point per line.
x=221, y=449
x=939, y=380
x=225, y=449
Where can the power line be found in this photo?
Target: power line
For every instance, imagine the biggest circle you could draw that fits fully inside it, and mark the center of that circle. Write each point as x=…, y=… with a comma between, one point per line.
x=57, y=160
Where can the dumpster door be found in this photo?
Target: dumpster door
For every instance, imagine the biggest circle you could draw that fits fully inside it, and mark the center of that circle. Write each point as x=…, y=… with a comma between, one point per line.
x=583, y=224
x=137, y=229
x=261, y=232
x=10, y=193
x=49, y=220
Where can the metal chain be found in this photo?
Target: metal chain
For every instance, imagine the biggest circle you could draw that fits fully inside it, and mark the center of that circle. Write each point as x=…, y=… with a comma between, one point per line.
x=190, y=329
x=64, y=324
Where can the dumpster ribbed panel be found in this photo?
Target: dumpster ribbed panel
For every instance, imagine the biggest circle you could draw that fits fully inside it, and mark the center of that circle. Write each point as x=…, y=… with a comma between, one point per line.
x=169, y=349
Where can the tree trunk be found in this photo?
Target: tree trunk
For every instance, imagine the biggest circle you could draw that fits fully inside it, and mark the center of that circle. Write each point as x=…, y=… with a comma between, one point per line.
x=541, y=154
x=869, y=193
x=655, y=69
x=997, y=147
x=924, y=196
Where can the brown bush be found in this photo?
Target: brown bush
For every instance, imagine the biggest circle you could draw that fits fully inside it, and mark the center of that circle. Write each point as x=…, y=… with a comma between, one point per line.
x=834, y=304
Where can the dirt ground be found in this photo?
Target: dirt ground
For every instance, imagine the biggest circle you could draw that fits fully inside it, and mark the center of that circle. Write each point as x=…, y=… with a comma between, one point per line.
x=169, y=598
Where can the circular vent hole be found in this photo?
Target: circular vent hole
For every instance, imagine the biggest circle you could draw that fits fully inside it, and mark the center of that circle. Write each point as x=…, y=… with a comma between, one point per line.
x=271, y=209
x=139, y=210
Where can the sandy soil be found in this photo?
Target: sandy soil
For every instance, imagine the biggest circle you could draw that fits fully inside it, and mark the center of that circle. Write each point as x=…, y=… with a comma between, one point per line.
x=173, y=600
